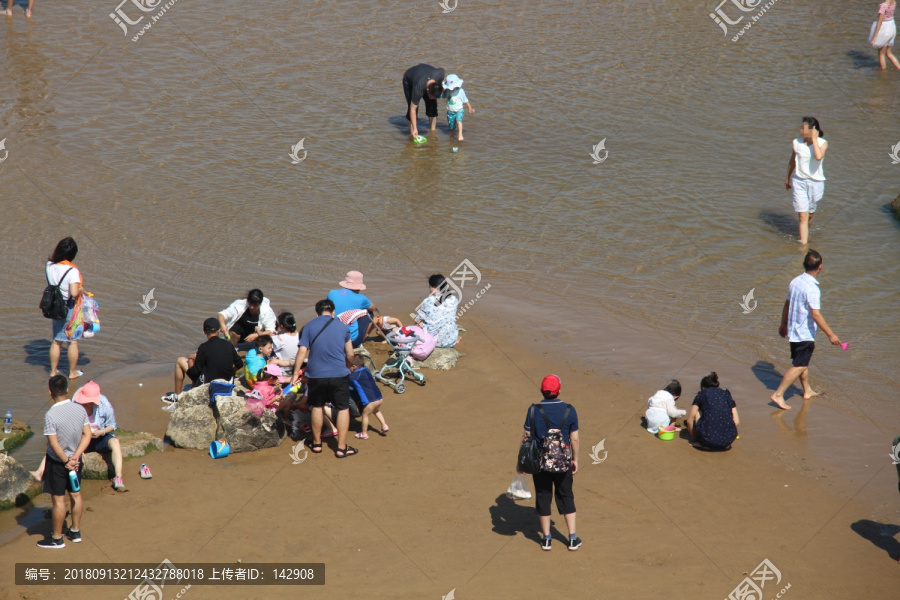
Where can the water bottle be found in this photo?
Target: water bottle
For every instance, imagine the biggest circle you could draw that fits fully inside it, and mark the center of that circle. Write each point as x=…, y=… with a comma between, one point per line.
x=7, y=424
x=73, y=481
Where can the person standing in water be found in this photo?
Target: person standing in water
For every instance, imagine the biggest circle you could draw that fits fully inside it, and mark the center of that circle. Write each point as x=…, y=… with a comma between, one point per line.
x=799, y=320
x=806, y=177
x=422, y=81
x=883, y=32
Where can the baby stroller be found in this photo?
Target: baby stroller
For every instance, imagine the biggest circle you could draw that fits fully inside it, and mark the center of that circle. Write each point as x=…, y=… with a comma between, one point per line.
x=401, y=345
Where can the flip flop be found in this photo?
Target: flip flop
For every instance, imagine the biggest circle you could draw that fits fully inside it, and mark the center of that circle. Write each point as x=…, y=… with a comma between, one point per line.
x=362, y=436
x=385, y=429
x=316, y=448
x=346, y=451
x=77, y=375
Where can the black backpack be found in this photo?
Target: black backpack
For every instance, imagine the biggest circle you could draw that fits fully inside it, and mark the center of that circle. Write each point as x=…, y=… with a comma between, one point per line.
x=52, y=304
x=531, y=449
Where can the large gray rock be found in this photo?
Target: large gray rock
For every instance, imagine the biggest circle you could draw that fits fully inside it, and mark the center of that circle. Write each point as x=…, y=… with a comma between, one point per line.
x=16, y=485
x=134, y=444
x=246, y=432
x=192, y=426
x=442, y=359
x=195, y=396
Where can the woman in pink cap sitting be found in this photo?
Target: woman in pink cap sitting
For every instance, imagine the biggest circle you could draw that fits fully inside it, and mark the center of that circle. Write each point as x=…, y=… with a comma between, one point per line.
x=103, y=423
x=350, y=300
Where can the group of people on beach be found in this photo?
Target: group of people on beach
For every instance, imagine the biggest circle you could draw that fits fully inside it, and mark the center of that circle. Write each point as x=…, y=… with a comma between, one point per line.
x=313, y=379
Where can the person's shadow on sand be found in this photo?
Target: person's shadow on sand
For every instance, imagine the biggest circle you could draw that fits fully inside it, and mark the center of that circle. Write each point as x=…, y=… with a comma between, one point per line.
x=771, y=378
x=880, y=534
x=37, y=353
x=510, y=518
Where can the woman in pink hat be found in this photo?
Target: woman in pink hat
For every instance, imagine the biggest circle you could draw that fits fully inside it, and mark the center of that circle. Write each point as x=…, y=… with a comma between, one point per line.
x=103, y=423
x=352, y=307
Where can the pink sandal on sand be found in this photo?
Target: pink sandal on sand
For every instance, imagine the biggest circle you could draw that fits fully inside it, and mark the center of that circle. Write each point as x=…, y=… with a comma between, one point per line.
x=362, y=436
x=385, y=429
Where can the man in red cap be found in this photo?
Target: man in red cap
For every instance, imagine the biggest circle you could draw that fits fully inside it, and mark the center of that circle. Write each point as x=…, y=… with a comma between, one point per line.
x=549, y=416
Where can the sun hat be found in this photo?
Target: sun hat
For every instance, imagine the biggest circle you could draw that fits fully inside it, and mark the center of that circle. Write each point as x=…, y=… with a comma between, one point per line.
x=452, y=82
x=551, y=384
x=274, y=370
x=88, y=394
x=353, y=281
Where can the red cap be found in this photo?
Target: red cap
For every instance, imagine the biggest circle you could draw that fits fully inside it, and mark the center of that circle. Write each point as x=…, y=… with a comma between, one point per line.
x=551, y=384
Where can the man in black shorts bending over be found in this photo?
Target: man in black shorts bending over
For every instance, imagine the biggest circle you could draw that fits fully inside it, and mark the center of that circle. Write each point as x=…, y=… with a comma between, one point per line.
x=422, y=81
x=327, y=341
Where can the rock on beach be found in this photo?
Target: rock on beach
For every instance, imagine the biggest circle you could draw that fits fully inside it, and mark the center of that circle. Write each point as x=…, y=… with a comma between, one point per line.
x=19, y=435
x=195, y=423
x=134, y=444
x=16, y=485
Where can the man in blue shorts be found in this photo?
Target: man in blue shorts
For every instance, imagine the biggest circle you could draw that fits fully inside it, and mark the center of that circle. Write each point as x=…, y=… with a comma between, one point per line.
x=799, y=320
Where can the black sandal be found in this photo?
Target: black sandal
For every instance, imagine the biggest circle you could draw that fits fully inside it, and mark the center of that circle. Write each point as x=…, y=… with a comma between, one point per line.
x=316, y=448
x=345, y=452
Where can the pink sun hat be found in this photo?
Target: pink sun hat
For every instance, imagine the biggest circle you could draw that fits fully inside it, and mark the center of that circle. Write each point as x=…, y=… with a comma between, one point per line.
x=274, y=370
x=88, y=394
x=353, y=281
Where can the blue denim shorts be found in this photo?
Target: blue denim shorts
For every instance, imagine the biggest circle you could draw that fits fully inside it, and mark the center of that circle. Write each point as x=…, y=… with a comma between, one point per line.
x=454, y=117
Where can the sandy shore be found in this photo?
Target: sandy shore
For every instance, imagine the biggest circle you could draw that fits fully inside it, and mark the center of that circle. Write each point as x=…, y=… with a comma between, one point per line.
x=422, y=511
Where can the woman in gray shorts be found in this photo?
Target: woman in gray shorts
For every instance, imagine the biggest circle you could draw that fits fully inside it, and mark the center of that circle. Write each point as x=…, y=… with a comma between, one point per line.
x=805, y=176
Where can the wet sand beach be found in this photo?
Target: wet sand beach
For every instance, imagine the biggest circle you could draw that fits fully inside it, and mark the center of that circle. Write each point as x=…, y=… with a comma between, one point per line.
x=423, y=510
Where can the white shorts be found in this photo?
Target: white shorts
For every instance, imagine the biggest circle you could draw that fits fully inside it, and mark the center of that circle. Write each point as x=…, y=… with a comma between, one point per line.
x=806, y=194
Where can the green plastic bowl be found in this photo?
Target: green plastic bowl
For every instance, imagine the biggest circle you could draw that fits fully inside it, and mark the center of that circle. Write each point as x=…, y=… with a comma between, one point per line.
x=666, y=434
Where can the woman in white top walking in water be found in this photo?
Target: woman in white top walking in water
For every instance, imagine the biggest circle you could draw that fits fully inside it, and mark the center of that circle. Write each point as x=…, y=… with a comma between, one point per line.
x=883, y=32
x=805, y=176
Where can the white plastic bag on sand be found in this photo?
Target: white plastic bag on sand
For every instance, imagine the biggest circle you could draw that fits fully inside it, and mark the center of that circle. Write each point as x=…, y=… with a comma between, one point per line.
x=518, y=489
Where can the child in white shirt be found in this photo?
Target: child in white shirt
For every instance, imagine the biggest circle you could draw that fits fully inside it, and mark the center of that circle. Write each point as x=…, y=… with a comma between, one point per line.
x=456, y=98
x=661, y=407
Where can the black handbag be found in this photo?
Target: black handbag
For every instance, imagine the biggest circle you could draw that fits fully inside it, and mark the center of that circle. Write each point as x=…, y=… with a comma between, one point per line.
x=531, y=449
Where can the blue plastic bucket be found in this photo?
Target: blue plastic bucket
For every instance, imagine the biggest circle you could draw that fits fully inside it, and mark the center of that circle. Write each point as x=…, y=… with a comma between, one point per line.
x=219, y=449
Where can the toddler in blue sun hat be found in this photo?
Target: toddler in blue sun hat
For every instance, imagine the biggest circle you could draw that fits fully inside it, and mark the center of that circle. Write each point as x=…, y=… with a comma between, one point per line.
x=456, y=98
